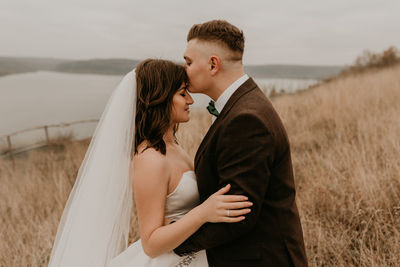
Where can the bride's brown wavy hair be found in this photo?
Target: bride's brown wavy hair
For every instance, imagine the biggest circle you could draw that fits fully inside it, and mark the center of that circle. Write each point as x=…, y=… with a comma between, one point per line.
x=157, y=81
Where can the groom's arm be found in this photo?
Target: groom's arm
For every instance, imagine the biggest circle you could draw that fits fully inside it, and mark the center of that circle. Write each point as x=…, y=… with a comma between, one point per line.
x=243, y=158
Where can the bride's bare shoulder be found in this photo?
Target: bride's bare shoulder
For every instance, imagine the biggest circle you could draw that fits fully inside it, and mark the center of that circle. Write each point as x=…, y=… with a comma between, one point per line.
x=149, y=162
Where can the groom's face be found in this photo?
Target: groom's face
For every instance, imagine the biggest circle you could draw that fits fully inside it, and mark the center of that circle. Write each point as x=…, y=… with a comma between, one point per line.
x=197, y=66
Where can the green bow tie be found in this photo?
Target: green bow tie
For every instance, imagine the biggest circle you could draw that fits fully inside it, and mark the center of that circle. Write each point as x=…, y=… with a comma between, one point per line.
x=211, y=108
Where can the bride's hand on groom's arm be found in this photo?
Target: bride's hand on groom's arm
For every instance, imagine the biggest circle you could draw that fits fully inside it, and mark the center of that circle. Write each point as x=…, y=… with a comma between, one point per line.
x=219, y=208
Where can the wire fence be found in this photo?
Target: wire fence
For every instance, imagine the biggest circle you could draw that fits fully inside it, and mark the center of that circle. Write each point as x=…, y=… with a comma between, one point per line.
x=10, y=150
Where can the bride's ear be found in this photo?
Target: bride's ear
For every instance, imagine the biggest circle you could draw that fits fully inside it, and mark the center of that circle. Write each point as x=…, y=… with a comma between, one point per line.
x=215, y=64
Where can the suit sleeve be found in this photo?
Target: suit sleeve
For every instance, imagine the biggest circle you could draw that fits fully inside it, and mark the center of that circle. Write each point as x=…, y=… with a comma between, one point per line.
x=244, y=156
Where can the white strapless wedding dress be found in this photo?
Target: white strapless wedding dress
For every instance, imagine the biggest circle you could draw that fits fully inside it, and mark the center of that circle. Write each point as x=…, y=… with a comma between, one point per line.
x=184, y=198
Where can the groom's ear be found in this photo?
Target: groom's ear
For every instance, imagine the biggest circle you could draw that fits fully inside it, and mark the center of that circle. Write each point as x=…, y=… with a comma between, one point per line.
x=215, y=64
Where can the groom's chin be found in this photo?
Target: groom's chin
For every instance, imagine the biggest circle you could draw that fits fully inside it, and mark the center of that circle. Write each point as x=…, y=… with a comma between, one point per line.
x=191, y=89
x=194, y=90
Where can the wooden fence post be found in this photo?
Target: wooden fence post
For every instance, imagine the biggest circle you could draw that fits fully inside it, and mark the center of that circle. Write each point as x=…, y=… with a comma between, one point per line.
x=47, y=134
x=10, y=150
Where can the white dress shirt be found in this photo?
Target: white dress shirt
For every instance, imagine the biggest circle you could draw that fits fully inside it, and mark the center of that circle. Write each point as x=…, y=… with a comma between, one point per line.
x=224, y=97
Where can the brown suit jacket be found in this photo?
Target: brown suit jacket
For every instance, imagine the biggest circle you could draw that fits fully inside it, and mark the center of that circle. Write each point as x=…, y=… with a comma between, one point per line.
x=247, y=146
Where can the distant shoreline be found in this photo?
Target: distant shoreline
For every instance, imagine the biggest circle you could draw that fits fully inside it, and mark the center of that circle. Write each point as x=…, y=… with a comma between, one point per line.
x=15, y=65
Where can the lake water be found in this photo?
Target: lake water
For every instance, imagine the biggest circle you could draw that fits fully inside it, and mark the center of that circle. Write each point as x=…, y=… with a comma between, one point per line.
x=42, y=98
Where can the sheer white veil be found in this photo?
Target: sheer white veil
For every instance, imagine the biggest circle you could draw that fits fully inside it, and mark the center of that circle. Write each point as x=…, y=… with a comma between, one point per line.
x=94, y=226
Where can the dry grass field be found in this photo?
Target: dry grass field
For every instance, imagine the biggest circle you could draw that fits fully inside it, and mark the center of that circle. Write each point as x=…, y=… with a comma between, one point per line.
x=345, y=138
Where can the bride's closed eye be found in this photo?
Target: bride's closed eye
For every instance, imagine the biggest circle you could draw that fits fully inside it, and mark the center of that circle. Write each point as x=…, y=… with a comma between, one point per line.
x=183, y=94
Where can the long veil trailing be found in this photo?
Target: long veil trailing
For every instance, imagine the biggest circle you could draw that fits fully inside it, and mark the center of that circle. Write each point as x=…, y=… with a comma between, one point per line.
x=94, y=226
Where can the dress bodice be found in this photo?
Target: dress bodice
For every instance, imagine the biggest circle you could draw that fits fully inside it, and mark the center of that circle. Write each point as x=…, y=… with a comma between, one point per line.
x=184, y=198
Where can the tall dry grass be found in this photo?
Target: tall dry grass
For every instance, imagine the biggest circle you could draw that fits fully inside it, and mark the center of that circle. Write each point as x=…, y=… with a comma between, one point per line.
x=346, y=147
x=345, y=138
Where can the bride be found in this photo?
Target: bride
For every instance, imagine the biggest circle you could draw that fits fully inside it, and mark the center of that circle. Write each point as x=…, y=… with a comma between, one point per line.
x=134, y=147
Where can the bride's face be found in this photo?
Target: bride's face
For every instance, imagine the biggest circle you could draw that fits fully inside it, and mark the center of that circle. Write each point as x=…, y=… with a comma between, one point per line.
x=180, y=105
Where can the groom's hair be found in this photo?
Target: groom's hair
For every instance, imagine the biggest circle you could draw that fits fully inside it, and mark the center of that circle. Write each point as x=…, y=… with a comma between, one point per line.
x=221, y=32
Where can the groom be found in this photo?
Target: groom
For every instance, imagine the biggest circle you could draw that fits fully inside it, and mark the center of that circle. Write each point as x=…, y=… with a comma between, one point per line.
x=247, y=147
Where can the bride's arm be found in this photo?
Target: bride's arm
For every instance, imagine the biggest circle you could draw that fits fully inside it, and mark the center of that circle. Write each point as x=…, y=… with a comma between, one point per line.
x=150, y=186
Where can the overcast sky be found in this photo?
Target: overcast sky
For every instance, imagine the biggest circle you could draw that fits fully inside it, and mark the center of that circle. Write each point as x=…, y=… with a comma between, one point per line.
x=307, y=32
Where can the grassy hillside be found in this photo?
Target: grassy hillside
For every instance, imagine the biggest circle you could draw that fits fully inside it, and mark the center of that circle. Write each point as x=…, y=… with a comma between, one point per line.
x=346, y=153
x=293, y=71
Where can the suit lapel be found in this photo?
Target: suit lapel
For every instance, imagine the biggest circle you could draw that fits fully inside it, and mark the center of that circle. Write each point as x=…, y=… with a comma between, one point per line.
x=242, y=90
